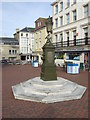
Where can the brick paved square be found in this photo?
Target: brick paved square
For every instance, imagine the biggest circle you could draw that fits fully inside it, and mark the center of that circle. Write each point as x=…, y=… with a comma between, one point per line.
x=12, y=108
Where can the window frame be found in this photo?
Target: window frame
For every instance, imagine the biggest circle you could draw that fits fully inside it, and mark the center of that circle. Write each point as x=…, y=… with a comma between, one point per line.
x=21, y=34
x=10, y=52
x=68, y=18
x=86, y=11
x=13, y=52
x=56, y=38
x=68, y=3
x=56, y=9
x=61, y=21
x=61, y=6
x=74, y=17
x=74, y=1
x=56, y=22
x=26, y=34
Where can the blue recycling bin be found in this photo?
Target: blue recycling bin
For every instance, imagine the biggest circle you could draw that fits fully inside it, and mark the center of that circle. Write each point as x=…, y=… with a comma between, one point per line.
x=72, y=68
x=35, y=63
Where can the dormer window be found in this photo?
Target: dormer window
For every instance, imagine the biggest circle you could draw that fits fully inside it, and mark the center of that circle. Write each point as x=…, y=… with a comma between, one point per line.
x=39, y=24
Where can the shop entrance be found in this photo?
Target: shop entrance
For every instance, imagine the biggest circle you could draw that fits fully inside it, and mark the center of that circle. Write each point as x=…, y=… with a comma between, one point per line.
x=23, y=57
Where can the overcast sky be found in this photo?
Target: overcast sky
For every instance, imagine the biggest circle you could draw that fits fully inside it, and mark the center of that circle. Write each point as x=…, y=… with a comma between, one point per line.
x=22, y=14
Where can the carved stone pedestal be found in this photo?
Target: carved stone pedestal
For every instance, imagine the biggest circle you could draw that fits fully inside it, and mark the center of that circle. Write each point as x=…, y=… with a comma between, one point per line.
x=48, y=70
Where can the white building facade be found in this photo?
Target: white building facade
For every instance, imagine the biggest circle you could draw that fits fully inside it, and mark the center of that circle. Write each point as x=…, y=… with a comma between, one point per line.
x=26, y=42
x=71, y=24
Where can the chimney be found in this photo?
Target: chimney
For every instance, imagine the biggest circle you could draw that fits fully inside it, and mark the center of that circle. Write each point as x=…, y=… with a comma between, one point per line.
x=17, y=29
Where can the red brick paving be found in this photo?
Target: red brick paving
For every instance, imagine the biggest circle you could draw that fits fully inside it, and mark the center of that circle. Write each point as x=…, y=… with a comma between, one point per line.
x=12, y=108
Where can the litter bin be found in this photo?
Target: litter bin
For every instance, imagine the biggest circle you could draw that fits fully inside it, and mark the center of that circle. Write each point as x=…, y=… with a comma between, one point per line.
x=81, y=66
x=66, y=64
x=35, y=63
x=72, y=68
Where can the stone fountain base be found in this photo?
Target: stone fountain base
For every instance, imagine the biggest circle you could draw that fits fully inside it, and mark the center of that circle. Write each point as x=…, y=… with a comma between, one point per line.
x=37, y=90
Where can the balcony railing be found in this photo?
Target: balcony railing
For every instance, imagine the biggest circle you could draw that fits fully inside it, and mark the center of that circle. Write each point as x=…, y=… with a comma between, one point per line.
x=75, y=42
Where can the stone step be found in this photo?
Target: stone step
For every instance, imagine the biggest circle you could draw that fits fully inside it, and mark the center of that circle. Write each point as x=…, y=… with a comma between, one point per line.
x=60, y=90
x=67, y=88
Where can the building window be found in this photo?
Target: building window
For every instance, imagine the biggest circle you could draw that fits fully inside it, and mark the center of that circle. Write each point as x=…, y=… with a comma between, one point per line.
x=61, y=39
x=56, y=23
x=25, y=50
x=68, y=18
x=40, y=35
x=56, y=38
x=73, y=56
x=61, y=20
x=85, y=10
x=86, y=35
x=74, y=37
x=22, y=50
x=21, y=34
x=15, y=51
x=36, y=35
x=10, y=52
x=74, y=15
x=39, y=44
x=85, y=30
x=56, y=8
x=32, y=36
x=26, y=35
x=74, y=1
x=68, y=3
x=67, y=38
x=39, y=24
x=36, y=45
x=61, y=4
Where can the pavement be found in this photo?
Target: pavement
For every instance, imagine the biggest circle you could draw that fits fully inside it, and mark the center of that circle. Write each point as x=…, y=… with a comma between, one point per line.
x=12, y=108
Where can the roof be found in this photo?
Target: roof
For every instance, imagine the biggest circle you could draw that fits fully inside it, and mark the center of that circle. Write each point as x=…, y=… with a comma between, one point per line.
x=40, y=18
x=44, y=22
x=26, y=29
x=9, y=41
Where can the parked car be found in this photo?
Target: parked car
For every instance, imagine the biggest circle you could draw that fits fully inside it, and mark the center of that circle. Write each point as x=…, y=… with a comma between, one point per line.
x=4, y=61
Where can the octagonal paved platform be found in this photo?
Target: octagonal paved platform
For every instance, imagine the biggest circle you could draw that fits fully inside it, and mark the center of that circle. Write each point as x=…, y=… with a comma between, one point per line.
x=37, y=90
